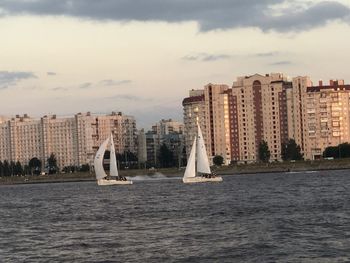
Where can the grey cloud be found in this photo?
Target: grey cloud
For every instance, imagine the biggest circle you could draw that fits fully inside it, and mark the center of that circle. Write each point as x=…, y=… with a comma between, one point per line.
x=105, y=83
x=50, y=73
x=125, y=97
x=280, y=63
x=8, y=78
x=215, y=57
x=206, y=57
x=85, y=85
x=111, y=82
x=60, y=89
x=210, y=15
x=267, y=54
x=314, y=16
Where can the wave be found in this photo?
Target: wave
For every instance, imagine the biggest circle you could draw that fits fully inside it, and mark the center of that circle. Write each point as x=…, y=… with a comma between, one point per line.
x=155, y=176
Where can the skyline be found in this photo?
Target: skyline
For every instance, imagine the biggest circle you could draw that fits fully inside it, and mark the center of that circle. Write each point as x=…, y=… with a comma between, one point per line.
x=65, y=57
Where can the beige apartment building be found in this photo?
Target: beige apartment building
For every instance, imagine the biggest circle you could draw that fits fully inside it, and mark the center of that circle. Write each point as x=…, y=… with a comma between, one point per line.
x=258, y=112
x=193, y=113
x=321, y=115
x=208, y=107
x=237, y=119
x=296, y=109
x=270, y=108
x=73, y=140
x=164, y=127
x=58, y=137
x=217, y=121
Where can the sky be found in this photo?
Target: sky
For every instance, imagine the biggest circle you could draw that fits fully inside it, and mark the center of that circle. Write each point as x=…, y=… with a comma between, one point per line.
x=142, y=57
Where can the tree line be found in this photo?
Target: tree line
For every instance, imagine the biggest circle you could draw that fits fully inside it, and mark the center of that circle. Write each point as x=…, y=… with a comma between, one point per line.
x=165, y=159
x=34, y=167
x=292, y=151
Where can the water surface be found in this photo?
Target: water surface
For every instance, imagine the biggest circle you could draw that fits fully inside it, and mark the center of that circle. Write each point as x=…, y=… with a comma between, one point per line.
x=280, y=217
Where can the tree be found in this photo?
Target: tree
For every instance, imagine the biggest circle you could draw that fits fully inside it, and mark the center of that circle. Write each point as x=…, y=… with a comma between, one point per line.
x=12, y=168
x=331, y=151
x=127, y=159
x=52, y=164
x=85, y=168
x=218, y=160
x=1, y=169
x=165, y=157
x=6, y=167
x=18, y=169
x=264, y=152
x=340, y=151
x=184, y=157
x=291, y=151
x=35, y=166
x=27, y=169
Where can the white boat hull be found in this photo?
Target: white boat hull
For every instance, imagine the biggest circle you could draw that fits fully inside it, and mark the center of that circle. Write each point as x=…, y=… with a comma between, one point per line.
x=198, y=179
x=112, y=182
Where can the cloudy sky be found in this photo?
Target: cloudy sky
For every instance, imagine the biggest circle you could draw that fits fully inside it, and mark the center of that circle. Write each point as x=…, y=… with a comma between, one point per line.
x=141, y=57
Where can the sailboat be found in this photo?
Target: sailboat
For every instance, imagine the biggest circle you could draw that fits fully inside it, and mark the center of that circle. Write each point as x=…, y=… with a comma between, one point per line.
x=199, y=159
x=101, y=175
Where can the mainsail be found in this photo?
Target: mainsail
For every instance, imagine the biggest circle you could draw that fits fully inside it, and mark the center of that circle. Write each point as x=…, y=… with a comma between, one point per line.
x=113, y=170
x=98, y=161
x=191, y=163
x=202, y=157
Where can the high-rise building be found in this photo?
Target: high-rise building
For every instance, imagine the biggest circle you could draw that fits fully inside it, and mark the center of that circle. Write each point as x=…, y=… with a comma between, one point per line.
x=268, y=108
x=322, y=115
x=258, y=112
x=164, y=127
x=217, y=122
x=168, y=132
x=73, y=140
x=193, y=113
x=142, y=148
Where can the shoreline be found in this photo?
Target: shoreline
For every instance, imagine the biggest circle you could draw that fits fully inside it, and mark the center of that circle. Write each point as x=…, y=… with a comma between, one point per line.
x=240, y=169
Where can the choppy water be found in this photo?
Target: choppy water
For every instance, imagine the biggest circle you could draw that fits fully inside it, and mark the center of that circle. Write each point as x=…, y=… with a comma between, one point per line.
x=300, y=217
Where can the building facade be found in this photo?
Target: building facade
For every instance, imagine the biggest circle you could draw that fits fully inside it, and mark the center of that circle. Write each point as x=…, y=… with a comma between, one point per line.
x=193, y=113
x=73, y=140
x=271, y=108
x=325, y=116
x=168, y=132
x=217, y=121
x=258, y=112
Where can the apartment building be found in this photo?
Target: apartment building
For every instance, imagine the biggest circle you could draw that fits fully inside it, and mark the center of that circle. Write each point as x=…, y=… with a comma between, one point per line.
x=209, y=108
x=258, y=112
x=168, y=132
x=193, y=113
x=271, y=108
x=296, y=105
x=324, y=117
x=20, y=138
x=58, y=136
x=73, y=140
x=217, y=122
x=168, y=126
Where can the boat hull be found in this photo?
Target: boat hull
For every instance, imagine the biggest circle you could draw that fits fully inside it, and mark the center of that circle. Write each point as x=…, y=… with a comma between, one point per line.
x=112, y=182
x=198, y=179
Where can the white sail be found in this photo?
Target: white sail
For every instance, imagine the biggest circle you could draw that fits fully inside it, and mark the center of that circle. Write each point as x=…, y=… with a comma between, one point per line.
x=98, y=161
x=202, y=157
x=191, y=163
x=113, y=170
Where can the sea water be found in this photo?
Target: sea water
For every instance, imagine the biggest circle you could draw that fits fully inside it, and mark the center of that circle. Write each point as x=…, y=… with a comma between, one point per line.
x=279, y=217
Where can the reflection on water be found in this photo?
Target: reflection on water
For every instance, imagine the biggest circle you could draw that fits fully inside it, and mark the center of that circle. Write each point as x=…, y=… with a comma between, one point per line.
x=247, y=218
